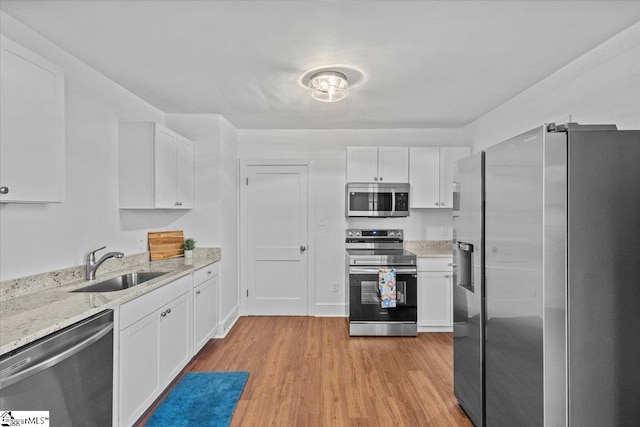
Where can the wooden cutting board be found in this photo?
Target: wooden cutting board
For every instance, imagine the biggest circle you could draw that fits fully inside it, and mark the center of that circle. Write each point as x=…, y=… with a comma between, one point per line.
x=166, y=244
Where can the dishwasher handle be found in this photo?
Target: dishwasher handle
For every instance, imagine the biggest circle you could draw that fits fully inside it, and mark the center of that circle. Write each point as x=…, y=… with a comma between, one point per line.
x=18, y=376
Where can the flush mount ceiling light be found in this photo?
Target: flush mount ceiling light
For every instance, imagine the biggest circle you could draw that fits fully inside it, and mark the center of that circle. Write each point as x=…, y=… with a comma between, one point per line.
x=331, y=83
x=328, y=86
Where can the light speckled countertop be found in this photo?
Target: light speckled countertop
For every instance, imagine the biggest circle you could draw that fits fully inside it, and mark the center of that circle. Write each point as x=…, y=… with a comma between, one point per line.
x=49, y=304
x=429, y=248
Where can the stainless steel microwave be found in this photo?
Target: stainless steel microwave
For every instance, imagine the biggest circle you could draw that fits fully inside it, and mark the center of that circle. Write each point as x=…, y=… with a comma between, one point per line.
x=365, y=199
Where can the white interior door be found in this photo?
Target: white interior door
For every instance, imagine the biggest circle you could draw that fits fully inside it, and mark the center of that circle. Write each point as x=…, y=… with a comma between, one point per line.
x=276, y=214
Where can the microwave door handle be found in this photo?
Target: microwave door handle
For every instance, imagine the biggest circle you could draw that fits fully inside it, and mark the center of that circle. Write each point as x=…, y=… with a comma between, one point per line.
x=393, y=201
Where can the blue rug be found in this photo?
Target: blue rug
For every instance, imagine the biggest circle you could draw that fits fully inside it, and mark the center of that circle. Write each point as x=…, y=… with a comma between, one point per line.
x=201, y=399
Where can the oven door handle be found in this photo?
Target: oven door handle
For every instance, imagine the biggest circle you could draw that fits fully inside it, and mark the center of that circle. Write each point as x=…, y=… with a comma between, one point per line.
x=373, y=270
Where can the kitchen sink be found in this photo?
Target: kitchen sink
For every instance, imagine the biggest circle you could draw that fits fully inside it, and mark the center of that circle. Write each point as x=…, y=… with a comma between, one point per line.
x=121, y=282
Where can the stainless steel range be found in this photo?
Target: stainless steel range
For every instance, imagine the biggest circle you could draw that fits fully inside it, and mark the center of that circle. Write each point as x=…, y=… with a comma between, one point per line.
x=368, y=252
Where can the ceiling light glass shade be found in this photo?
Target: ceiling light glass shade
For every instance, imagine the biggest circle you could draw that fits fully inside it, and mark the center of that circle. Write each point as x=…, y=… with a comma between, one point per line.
x=328, y=86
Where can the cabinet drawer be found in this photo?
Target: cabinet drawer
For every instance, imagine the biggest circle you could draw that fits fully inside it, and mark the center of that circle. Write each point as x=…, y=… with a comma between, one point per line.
x=435, y=264
x=142, y=306
x=205, y=273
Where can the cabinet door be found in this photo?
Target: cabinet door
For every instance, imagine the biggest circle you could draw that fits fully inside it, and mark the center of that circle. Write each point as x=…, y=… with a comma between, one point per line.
x=424, y=172
x=32, y=134
x=448, y=155
x=205, y=312
x=139, y=367
x=393, y=164
x=434, y=298
x=362, y=164
x=175, y=340
x=164, y=168
x=184, y=173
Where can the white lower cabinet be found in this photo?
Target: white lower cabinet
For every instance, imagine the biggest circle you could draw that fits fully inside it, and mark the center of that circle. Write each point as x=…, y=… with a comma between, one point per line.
x=139, y=367
x=155, y=344
x=205, y=305
x=435, y=295
x=175, y=346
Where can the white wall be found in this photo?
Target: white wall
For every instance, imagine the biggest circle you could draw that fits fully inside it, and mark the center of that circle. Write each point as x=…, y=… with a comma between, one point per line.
x=326, y=149
x=228, y=176
x=600, y=87
x=36, y=238
x=214, y=220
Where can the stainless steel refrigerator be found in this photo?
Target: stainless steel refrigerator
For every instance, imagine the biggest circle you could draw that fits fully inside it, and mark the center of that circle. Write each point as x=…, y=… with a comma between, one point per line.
x=468, y=290
x=560, y=312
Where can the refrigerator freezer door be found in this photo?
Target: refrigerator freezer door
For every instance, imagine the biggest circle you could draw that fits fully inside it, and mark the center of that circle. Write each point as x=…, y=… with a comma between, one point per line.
x=514, y=320
x=468, y=284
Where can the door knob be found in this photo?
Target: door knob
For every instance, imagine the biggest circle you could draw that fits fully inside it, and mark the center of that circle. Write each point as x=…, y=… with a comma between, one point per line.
x=303, y=248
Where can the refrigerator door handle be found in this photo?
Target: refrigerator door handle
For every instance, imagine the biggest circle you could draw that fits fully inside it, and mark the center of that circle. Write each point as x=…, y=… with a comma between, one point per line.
x=467, y=247
x=464, y=270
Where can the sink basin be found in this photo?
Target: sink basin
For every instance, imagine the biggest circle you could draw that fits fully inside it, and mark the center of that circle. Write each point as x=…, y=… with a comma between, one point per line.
x=121, y=282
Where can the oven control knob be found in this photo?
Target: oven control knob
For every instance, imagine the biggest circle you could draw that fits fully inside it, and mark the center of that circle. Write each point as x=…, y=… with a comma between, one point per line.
x=391, y=234
x=357, y=233
x=351, y=233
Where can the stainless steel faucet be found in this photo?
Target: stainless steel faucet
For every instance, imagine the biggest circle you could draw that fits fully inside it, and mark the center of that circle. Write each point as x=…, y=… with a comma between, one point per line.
x=91, y=265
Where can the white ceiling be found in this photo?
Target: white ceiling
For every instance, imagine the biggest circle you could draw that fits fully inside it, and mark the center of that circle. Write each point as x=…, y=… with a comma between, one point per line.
x=427, y=63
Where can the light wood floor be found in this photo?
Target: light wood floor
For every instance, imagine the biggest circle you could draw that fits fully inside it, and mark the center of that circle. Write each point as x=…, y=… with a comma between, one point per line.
x=307, y=371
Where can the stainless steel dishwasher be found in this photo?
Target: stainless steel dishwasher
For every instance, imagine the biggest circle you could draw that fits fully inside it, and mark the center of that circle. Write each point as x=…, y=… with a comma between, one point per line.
x=68, y=373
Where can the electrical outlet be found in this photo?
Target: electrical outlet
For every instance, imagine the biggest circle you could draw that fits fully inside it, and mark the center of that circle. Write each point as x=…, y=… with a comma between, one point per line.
x=334, y=286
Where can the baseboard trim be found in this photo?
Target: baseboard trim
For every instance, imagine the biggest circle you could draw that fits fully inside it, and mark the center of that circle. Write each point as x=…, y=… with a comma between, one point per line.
x=225, y=325
x=330, y=310
x=435, y=329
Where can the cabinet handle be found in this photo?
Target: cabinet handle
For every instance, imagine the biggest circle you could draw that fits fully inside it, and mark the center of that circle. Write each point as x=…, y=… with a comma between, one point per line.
x=437, y=204
x=178, y=203
x=197, y=292
x=375, y=178
x=442, y=204
x=447, y=276
x=452, y=264
x=4, y=190
x=209, y=272
x=380, y=178
x=164, y=313
x=168, y=311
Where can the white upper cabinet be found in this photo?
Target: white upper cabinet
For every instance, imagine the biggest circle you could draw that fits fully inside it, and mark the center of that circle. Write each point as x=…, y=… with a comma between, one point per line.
x=377, y=164
x=156, y=167
x=32, y=130
x=184, y=172
x=362, y=164
x=424, y=176
x=448, y=156
x=431, y=175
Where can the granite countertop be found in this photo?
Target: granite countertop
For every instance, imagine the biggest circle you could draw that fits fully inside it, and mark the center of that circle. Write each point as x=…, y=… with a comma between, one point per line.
x=429, y=248
x=36, y=306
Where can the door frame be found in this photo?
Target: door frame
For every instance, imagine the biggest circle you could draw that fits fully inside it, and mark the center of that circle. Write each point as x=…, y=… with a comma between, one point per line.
x=243, y=244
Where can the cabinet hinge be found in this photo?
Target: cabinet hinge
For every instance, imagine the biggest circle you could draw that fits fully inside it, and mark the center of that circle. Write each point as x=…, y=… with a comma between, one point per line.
x=247, y=292
x=247, y=181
